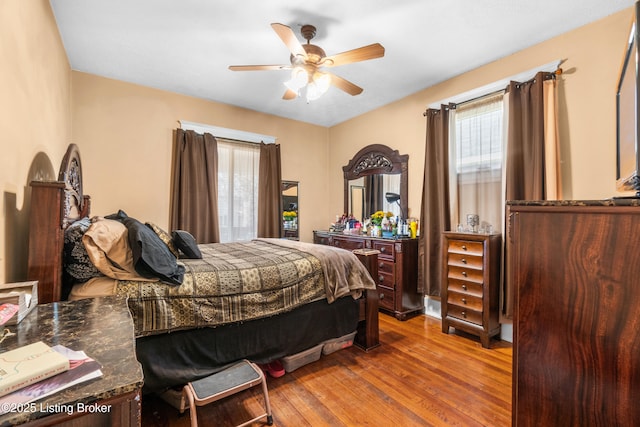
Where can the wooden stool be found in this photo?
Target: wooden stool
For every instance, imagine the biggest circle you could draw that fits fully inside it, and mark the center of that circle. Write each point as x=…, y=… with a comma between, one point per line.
x=231, y=380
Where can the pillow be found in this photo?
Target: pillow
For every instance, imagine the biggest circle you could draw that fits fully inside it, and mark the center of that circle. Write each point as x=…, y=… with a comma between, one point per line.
x=165, y=237
x=151, y=256
x=76, y=260
x=107, y=245
x=184, y=241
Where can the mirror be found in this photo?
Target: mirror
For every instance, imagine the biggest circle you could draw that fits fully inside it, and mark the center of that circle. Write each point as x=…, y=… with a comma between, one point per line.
x=369, y=194
x=356, y=200
x=290, y=219
x=370, y=175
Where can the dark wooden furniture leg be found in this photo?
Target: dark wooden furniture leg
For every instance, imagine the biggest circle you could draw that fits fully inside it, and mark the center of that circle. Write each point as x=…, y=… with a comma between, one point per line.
x=368, y=336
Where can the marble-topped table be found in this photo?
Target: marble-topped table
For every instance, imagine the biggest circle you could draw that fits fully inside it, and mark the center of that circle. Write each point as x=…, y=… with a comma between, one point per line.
x=103, y=329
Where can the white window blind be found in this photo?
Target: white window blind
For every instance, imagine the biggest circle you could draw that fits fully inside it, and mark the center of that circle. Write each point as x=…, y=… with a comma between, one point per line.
x=479, y=137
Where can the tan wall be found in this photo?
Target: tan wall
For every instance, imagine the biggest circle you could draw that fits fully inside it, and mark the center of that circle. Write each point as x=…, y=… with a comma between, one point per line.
x=587, y=112
x=125, y=131
x=35, y=119
x=125, y=135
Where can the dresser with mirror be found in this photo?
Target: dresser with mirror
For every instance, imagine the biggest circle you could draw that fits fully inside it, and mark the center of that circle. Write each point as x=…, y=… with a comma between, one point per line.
x=375, y=171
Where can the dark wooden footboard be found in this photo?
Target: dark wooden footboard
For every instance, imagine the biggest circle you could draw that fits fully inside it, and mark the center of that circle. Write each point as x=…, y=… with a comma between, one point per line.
x=368, y=336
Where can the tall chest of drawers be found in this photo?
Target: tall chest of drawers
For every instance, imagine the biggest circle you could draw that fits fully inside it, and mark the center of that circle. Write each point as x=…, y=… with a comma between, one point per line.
x=397, y=280
x=470, y=291
x=574, y=267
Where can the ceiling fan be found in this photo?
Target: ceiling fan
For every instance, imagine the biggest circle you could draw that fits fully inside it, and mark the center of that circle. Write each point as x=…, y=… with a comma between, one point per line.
x=308, y=62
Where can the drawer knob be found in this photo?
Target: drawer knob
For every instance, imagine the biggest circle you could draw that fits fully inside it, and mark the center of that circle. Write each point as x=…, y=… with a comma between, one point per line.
x=464, y=247
x=464, y=273
x=464, y=260
x=464, y=300
x=380, y=278
x=381, y=265
x=383, y=249
x=381, y=296
x=464, y=287
x=464, y=314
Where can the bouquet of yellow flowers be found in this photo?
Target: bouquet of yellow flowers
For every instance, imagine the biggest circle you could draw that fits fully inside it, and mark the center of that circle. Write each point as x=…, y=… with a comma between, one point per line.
x=289, y=215
x=377, y=217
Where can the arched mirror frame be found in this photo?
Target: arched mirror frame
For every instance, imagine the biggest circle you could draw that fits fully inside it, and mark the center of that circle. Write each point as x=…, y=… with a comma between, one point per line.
x=378, y=159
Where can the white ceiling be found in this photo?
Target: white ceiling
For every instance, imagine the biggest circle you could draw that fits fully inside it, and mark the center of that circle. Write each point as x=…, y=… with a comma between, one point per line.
x=186, y=46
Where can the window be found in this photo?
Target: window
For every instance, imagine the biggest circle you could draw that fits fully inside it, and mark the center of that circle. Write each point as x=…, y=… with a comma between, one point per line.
x=238, y=165
x=476, y=160
x=479, y=137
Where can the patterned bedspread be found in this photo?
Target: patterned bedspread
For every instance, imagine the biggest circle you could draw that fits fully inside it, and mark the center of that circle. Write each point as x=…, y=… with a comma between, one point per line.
x=240, y=281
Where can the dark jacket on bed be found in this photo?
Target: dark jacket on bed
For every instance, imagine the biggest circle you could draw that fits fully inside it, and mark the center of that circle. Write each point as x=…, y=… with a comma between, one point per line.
x=151, y=256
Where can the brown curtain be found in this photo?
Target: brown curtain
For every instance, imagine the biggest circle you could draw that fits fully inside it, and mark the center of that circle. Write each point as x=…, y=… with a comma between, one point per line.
x=194, y=193
x=524, y=172
x=374, y=197
x=434, y=212
x=270, y=192
x=530, y=145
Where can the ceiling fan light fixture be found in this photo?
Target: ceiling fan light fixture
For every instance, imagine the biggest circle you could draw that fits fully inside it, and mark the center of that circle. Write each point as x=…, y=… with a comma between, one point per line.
x=299, y=79
x=305, y=61
x=318, y=86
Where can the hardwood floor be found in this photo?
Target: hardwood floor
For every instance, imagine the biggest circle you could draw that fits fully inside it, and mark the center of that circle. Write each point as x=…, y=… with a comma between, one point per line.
x=418, y=376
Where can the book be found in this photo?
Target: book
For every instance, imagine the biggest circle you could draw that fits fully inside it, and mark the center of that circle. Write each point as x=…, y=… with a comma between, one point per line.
x=22, y=294
x=82, y=368
x=7, y=311
x=29, y=364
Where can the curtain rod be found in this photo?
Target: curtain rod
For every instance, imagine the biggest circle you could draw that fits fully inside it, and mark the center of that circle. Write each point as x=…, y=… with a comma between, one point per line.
x=486, y=95
x=227, y=133
x=550, y=74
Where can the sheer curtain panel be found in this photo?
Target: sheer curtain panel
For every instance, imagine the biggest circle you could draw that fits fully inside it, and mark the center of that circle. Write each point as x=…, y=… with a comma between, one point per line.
x=476, y=151
x=238, y=172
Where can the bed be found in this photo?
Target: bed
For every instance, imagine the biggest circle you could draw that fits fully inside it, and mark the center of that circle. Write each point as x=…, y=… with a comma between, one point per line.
x=195, y=307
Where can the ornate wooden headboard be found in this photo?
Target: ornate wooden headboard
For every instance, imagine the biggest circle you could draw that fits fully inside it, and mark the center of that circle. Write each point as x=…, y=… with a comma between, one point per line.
x=54, y=205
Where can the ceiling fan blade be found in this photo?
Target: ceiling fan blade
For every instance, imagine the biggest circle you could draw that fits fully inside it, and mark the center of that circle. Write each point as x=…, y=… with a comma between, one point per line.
x=258, y=67
x=289, y=94
x=289, y=38
x=364, y=53
x=345, y=85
